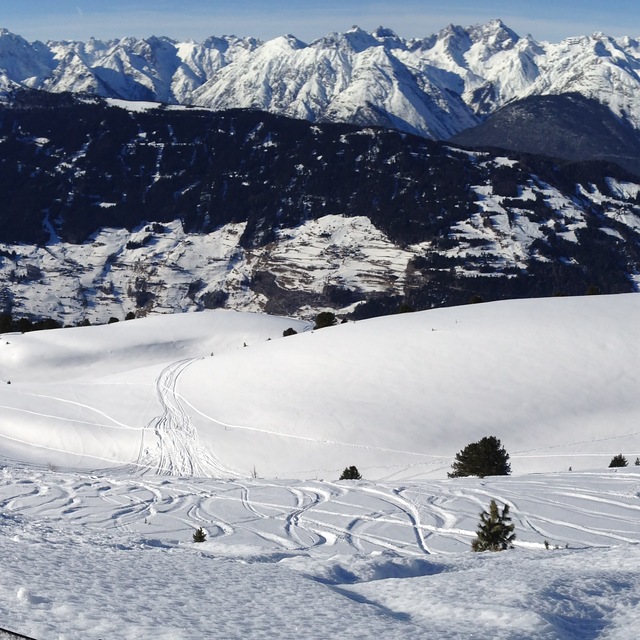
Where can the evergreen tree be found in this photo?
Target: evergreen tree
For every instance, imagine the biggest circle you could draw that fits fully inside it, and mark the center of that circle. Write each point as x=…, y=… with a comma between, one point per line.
x=199, y=535
x=325, y=319
x=351, y=473
x=24, y=325
x=487, y=457
x=6, y=323
x=495, y=532
x=618, y=461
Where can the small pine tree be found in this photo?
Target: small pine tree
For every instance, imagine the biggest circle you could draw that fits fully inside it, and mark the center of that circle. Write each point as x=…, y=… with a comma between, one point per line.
x=351, y=473
x=495, y=532
x=618, y=461
x=199, y=535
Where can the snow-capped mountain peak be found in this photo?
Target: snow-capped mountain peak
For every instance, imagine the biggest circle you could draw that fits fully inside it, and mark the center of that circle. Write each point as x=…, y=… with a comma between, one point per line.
x=494, y=35
x=467, y=73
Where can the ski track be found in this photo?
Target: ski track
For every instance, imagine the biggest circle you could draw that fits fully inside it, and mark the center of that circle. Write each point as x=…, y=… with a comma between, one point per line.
x=296, y=523
x=66, y=419
x=433, y=458
x=115, y=424
x=178, y=450
x=408, y=520
x=412, y=513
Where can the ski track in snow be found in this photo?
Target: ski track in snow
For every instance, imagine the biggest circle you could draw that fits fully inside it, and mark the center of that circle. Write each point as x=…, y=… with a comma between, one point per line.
x=348, y=537
x=178, y=450
x=112, y=424
x=242, y=427
x=411, y=520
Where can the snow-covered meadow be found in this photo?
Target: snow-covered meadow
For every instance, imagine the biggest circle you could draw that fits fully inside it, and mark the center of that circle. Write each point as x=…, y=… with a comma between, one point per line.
x=119, y=441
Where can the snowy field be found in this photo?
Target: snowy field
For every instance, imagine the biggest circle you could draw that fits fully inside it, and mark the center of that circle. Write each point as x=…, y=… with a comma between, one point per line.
x=118, y=442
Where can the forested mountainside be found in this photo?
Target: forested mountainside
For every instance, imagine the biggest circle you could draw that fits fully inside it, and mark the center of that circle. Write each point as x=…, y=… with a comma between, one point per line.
x=567, y=126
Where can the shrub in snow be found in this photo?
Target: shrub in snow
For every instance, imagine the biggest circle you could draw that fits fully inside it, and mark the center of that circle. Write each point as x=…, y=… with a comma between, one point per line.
x=495, y=532
x=289, y=332
x=199, y=535
x=618, y=461
x=325, y=319
x=637, y=462
x=351, y=473
x=487, y=457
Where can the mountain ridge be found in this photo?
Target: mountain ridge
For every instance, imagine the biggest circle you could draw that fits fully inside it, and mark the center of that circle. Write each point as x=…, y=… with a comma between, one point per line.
x=435, y=87
x=567, y=126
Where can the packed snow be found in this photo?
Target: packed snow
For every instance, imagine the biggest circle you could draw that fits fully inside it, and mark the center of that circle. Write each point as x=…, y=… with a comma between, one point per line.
x=117, y=442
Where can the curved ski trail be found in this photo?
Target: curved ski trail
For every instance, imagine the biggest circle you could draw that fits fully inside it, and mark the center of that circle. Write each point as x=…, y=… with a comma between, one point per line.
x=178, y=450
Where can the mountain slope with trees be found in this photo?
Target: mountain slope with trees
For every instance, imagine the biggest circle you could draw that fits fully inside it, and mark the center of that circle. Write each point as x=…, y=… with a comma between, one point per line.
x=567, y=126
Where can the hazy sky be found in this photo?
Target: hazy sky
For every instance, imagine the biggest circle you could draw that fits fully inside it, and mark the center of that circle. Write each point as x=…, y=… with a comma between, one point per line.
x=198, y=19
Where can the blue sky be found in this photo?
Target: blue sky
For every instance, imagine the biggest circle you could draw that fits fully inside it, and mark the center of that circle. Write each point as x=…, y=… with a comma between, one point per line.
x=197, y=19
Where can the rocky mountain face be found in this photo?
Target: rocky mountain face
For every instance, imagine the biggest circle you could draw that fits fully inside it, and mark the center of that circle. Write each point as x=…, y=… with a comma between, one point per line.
x=108, y=211
x=434, y=87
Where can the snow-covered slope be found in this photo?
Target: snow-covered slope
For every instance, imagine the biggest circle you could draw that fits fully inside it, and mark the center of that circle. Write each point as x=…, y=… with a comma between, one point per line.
x=556, y=379
x=114, y=272
x=436, y=86
x=96, y=552
x=353, y=77
x=99, y=555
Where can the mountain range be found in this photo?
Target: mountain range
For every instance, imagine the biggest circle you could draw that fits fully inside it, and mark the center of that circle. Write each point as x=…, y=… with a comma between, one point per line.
x=567, y=126
x=143, y=176
x=435, y=86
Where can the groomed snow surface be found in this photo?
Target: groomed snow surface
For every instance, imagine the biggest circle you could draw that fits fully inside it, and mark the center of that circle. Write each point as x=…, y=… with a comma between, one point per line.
x=119, y=441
